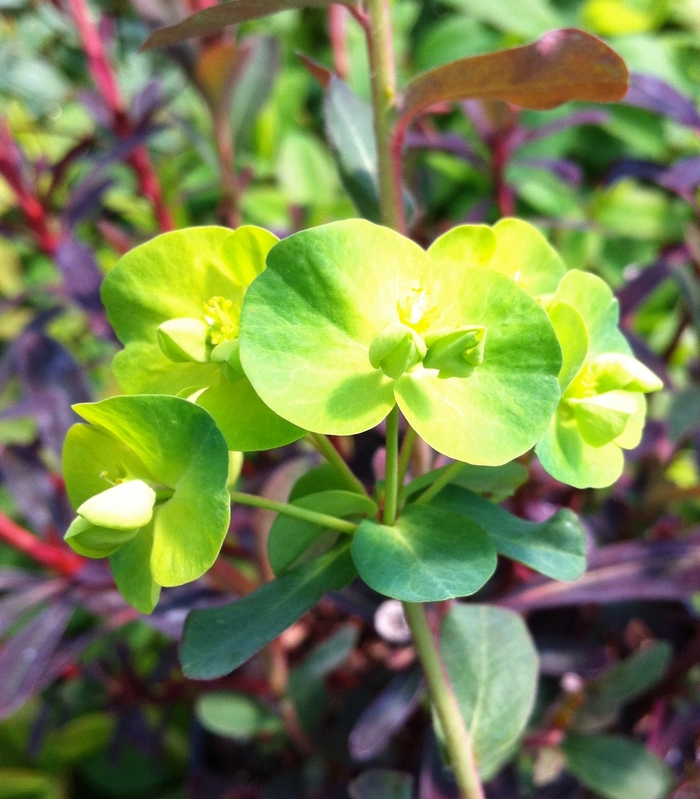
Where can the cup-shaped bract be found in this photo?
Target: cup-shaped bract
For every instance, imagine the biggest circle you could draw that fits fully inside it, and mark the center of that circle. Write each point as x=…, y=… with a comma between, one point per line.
x=148, y=477
x=602, y=409
x=175, y=303
x=512, y=247
x=350, y=318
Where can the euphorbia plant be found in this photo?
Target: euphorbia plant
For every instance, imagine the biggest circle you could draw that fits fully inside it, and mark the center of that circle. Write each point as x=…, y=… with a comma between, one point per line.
x=485, y=344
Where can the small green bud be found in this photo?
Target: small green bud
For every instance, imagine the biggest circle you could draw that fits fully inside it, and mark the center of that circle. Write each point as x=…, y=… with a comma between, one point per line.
x=228, y=356
x=125, y=506
x=184, y=340
x=96, y=542
x=458, y=353
x=603, y=417
x=396, y=349
x=614, y=370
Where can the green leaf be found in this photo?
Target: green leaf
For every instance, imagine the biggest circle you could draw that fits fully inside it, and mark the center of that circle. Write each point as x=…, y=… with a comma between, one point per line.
x=573, y=338
x=622, y=682
x=325, y=477
x=556, y=547
x=512, y=247
x=562, y=66
x=125, y=506
x=526, y=18
x=381, y=783
x=218, y=640
x=350, y=133
x=132, y=572
x=493, y=482
x=427, y=555
x=235, y=715
x=617, y=768
x=199, y=275
x=216, y=18
x=492, y=664
x=328, y=293
x=290, y=538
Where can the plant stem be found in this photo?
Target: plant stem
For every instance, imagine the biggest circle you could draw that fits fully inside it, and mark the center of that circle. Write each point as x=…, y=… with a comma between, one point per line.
x=381, y=60
x=321, y=519
x=457, y=739
x=446, y=477
x=331, y=454
x=391, y=484
x=409, y=440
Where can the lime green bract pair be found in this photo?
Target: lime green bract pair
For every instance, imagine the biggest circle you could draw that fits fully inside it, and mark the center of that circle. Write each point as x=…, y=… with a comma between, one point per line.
x=242, y=342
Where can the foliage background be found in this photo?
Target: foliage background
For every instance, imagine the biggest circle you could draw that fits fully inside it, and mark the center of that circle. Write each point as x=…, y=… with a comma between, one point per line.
x=101, y=147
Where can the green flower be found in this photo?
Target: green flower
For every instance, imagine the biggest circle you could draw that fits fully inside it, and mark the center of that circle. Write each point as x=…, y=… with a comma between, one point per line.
x=350, y=318
x=602, y=408
x=175, y=304
x=149, y=481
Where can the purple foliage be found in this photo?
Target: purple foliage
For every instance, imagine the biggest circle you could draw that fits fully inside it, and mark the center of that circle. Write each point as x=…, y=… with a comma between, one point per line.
x=656, y=95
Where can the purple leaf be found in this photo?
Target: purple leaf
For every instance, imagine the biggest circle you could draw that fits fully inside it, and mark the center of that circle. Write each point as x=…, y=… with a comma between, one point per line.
x=24, y=659
x=683, y=178
x=12, y=579
x=641, y=284
x=97, y=108
x=85, y=201
x=656, y=95
x=146, y=102
x=81, y=275
x=436, y=780
x=565, y=170
x=15, y=605
x=588, y=116
x=639, y=570
x=446, y=143
x=386, y=714
x=634, y=168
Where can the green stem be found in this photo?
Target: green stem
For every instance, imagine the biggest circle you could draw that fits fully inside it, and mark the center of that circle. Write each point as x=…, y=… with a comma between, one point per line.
x=457, y=739
x=321, y=519
x=331, y=454
x=446, y=477
x=409, y=440
x=383, y=77
x=391, y=484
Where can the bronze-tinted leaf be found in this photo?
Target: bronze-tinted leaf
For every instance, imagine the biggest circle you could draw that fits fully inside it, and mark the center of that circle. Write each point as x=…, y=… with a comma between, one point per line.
x=561, y=66
x=215, y=18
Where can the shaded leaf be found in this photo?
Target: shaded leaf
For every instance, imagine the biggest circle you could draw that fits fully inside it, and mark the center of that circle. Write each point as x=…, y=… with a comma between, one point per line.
x=218, y=640
x=427, y=555
x=216, y=18
x=480, y=645
x=386, y=714
x=237, y=716
x=25, y=657
x=493, y=482
x=617, y=768
x=562, y=66
x=380, y=783
x=556, y=547
x=654, y=94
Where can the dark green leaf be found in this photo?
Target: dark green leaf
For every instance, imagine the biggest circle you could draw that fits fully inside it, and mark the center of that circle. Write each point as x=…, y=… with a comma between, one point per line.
x=426, y=556
x=218, y=640
x=381, y=783
x=321, y=478
x=622, y=682
x=494, y=482
x=492, y=663
x=291, y=538
x=556, y=547
x=617, y=768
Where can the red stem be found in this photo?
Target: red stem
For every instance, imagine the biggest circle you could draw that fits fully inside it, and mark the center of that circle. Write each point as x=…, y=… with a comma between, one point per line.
x=504, y=194
x=337, y=17
x=105, y=80
x=58, y=558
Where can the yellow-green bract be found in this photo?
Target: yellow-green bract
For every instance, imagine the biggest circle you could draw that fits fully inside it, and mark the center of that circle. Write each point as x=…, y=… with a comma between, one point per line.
x=602, y=409
x=175, y=304
x=351, y=317
x=149, y=479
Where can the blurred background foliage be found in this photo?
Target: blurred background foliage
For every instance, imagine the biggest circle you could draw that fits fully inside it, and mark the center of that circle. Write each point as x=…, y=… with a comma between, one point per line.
x=103, y=146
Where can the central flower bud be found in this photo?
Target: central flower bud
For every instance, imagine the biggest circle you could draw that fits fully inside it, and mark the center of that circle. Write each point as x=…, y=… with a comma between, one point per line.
x=456, y=353
x=415, y=310
x=222, y=319
x=396, y=349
